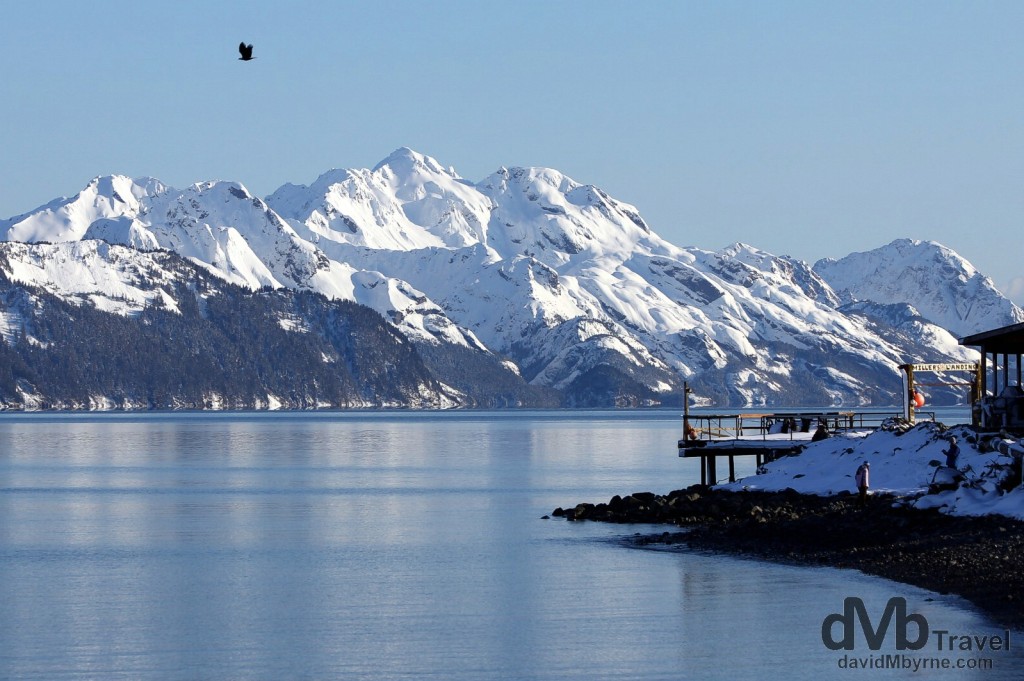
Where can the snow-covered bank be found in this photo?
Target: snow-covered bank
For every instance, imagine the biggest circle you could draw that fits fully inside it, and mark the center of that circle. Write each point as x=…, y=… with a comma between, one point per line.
x=909, y=464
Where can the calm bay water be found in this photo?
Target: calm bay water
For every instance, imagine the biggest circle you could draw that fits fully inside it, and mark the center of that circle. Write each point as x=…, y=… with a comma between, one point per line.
x=389, y=546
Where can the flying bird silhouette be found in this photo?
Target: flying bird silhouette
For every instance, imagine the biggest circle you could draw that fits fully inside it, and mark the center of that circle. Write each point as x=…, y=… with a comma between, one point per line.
x=245, y=51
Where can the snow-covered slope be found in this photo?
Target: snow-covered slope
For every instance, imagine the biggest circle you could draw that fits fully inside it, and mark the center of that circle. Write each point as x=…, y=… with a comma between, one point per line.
x=201, y=223
x=132, y=329
x=943, y=287
x=222, y=227
x=908, y=464
x=408, y=201
x=566, y=282
x=110, y=278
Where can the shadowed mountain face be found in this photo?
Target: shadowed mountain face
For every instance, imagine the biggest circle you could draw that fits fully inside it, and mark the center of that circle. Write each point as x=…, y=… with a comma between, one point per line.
x=566, y=294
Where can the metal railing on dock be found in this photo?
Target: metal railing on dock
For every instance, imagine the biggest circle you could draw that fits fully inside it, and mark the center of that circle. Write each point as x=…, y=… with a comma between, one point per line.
x=796, y=425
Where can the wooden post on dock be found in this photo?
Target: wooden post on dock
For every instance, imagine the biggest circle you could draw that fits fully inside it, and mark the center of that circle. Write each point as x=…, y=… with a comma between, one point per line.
x=686, y=410
x=910, y=416
x=978, y=391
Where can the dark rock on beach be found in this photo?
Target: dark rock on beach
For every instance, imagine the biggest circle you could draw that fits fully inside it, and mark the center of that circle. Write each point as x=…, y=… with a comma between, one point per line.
x=978, y=558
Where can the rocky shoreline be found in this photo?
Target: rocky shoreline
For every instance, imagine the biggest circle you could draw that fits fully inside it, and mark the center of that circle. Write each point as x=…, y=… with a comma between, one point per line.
x=978, y=558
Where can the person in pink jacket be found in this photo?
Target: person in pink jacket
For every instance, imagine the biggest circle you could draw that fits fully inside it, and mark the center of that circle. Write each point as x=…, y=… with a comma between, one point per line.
x=863, y=479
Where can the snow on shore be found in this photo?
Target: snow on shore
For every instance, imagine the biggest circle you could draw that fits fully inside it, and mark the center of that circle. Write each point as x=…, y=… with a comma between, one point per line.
x=908, y=464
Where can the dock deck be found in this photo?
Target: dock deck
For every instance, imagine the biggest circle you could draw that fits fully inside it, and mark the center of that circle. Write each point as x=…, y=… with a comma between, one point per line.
x=766, y=436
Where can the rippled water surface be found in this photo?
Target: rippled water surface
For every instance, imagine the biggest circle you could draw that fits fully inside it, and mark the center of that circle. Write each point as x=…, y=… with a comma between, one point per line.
x=390, y=546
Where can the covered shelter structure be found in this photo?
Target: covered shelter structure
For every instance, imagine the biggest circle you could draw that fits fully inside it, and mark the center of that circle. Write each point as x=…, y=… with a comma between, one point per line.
x=1001, y=403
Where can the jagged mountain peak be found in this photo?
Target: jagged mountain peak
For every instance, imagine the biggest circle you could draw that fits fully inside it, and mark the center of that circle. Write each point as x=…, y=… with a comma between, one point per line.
x=526, y=177
x=124, y=188
x=907, y=253
x=408, y=201
x=745, y=264
x=546, y=213
x=106, y=197
x=220, y=187
x=943, y=286
x=748, y=254
x=405, y=161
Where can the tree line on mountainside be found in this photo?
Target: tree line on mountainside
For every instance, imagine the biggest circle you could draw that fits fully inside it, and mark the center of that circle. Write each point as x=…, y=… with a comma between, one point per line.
x=229, y=347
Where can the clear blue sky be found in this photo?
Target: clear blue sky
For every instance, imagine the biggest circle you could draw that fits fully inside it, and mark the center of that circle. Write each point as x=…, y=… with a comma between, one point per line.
x=812, y=129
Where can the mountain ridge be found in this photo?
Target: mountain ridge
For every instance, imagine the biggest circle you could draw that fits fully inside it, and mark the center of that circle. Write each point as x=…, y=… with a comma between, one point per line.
x=553, y=277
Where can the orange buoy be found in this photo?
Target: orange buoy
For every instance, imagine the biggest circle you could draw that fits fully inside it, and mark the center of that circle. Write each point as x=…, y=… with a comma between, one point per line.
x=918, y=400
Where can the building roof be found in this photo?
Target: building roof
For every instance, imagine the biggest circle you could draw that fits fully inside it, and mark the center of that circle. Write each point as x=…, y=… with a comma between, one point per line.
x=1008, y=339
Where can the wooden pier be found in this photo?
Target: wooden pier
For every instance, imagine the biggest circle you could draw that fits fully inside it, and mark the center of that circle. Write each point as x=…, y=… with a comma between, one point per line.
x=766, y=437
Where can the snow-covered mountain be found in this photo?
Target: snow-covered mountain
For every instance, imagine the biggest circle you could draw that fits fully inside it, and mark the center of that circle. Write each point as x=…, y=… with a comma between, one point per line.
x=149, y=330
x=941, y=285
x=553, y=279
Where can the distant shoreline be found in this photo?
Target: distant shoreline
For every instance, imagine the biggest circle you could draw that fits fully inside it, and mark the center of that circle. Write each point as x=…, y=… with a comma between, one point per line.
x=980, y=558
